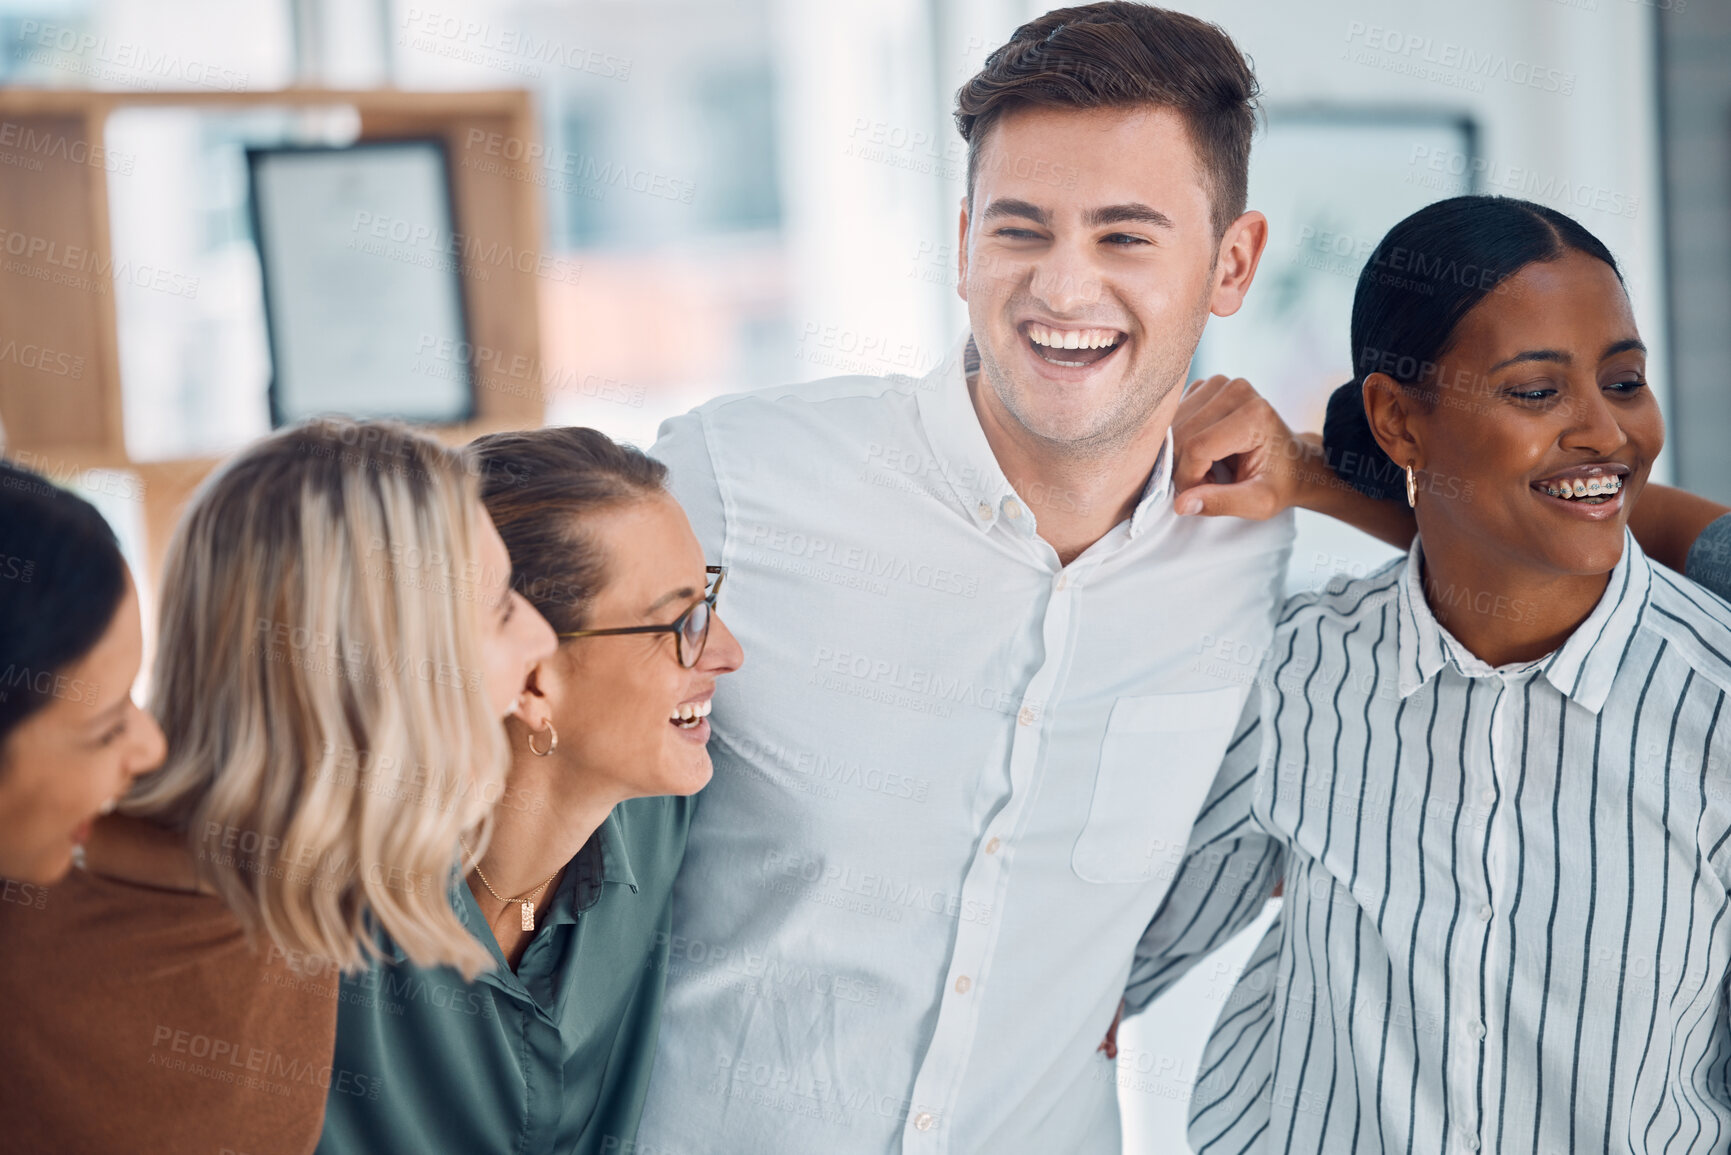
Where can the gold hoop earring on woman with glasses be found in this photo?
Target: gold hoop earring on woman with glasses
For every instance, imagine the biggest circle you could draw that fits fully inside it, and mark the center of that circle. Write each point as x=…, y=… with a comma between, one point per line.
x=1411, y=490
x=552, y=740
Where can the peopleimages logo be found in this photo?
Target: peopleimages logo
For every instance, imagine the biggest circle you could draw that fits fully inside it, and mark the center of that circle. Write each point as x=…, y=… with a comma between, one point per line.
x=46, y=259
x=100, y=58
x=1447, y=62
x=38, y=144
x=516, y=50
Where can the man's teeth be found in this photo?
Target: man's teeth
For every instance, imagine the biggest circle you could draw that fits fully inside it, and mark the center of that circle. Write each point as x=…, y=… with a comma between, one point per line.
x=1073, y=338
x=1585, y=487
x=688, y=714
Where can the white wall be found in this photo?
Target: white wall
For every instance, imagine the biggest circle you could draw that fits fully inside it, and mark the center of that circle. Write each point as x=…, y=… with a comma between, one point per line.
x=872, y=175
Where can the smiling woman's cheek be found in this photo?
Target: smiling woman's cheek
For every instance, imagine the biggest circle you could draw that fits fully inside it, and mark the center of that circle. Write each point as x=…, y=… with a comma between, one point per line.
x=1487, y=452
x=51, y=782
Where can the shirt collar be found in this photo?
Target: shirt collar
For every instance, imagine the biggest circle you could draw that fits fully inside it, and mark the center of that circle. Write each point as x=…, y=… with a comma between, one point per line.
x=601, y=860
x=965, y=457
x=1582, y=668
x=1159, y=487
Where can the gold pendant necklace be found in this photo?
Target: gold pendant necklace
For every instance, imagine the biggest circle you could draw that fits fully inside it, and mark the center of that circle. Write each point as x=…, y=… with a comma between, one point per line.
x=527, y=910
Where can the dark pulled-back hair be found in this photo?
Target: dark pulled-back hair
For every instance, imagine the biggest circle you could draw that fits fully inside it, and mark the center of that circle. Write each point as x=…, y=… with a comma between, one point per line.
x=539, y=485
x=61, y=580
x=1427, y=274
x=1119, y=55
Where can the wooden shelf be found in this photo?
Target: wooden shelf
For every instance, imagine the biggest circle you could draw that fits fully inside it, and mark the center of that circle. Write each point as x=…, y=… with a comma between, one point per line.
x=76, y=418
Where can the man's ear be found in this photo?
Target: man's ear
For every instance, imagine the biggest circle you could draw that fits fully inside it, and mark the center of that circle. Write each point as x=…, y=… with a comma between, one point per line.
x=962, y=253
x=1389, y=408
x=1235, y=261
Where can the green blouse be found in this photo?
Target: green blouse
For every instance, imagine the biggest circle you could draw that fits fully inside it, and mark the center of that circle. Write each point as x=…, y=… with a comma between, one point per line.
x=552, y=1058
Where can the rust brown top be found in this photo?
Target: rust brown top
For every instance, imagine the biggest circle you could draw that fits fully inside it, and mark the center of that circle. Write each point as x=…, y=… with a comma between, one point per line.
x=138, y=1017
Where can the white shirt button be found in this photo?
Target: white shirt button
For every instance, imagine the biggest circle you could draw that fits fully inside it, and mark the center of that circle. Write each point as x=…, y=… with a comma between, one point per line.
x=1484, y=914
x=992, y=845
x=923, y=1121
x=1489, y=796
x=1478, y=1029
x=985, y=512
x=1063, y=579
x=1472, y=1143
x=964, y=984
x=1026, y=717
x=1012, y=509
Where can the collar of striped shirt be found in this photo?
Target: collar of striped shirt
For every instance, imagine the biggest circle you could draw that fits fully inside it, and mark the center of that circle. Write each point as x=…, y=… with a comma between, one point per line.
x=1582, y=667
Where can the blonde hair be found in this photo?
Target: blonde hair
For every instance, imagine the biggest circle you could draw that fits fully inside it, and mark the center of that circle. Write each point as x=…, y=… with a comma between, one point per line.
x=319, y=679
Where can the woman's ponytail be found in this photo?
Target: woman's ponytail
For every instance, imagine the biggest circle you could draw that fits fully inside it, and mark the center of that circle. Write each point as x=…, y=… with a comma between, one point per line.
x=1352, y=450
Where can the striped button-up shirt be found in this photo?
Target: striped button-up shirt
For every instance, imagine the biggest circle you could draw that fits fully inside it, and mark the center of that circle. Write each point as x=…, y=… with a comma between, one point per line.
x=1504, y=922
x=945, y=780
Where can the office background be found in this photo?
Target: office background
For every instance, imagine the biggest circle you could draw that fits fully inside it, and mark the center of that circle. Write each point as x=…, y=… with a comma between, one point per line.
x=735, y=193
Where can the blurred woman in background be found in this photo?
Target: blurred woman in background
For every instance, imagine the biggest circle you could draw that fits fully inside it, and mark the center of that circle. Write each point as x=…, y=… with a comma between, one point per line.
x=71, y=737
x=338, y=642
x=551, y=1049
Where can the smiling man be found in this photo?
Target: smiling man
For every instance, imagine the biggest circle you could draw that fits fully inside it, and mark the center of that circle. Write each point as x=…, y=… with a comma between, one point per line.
x=1087, y=304
x=953, y=785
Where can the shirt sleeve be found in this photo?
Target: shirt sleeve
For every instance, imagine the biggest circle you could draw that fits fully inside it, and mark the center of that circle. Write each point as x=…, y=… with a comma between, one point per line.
x=682, y=444
x=1224, y=880
x=1719, y=1088
x=1709, y=560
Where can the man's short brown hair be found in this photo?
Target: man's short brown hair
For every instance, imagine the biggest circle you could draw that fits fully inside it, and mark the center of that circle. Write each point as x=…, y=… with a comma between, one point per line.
x=1119, y=54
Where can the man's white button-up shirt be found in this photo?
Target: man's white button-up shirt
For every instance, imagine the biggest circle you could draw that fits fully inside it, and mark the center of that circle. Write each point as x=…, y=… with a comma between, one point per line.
x=953, y=779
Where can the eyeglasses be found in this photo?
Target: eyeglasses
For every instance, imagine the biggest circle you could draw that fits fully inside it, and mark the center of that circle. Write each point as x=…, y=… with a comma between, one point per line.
x=690, y=629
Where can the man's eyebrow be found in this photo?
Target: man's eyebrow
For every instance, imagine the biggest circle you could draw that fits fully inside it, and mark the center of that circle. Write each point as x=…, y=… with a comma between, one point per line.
x=1555, y=356
x=1011, y=207
x=1132, y=213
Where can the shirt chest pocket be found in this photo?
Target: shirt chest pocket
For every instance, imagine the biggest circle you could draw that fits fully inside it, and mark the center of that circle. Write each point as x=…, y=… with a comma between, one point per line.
x=1157, y=762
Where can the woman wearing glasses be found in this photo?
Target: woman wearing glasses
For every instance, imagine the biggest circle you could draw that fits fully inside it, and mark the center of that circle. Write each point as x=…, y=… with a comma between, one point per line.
x=551, y=1049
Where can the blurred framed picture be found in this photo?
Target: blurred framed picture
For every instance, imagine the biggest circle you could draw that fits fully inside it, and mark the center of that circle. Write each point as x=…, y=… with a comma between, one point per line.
x=1331, y=180
x=362, y=271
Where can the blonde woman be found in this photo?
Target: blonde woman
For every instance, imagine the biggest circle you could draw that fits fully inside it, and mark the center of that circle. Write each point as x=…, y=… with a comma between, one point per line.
x=551, y=1049
x=338, y=642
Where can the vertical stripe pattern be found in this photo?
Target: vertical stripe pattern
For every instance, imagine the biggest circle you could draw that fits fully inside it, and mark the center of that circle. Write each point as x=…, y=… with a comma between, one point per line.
x=1506, y=918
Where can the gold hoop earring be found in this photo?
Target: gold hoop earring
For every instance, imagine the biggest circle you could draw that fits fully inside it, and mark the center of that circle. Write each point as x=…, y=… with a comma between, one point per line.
x=552, y=741
x=1411, y=490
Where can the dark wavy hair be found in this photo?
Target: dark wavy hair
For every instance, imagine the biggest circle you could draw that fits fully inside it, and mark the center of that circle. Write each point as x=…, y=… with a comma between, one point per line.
x=540, y=485
x=1431, y=270
x=1117, y=54
x=61, y=580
